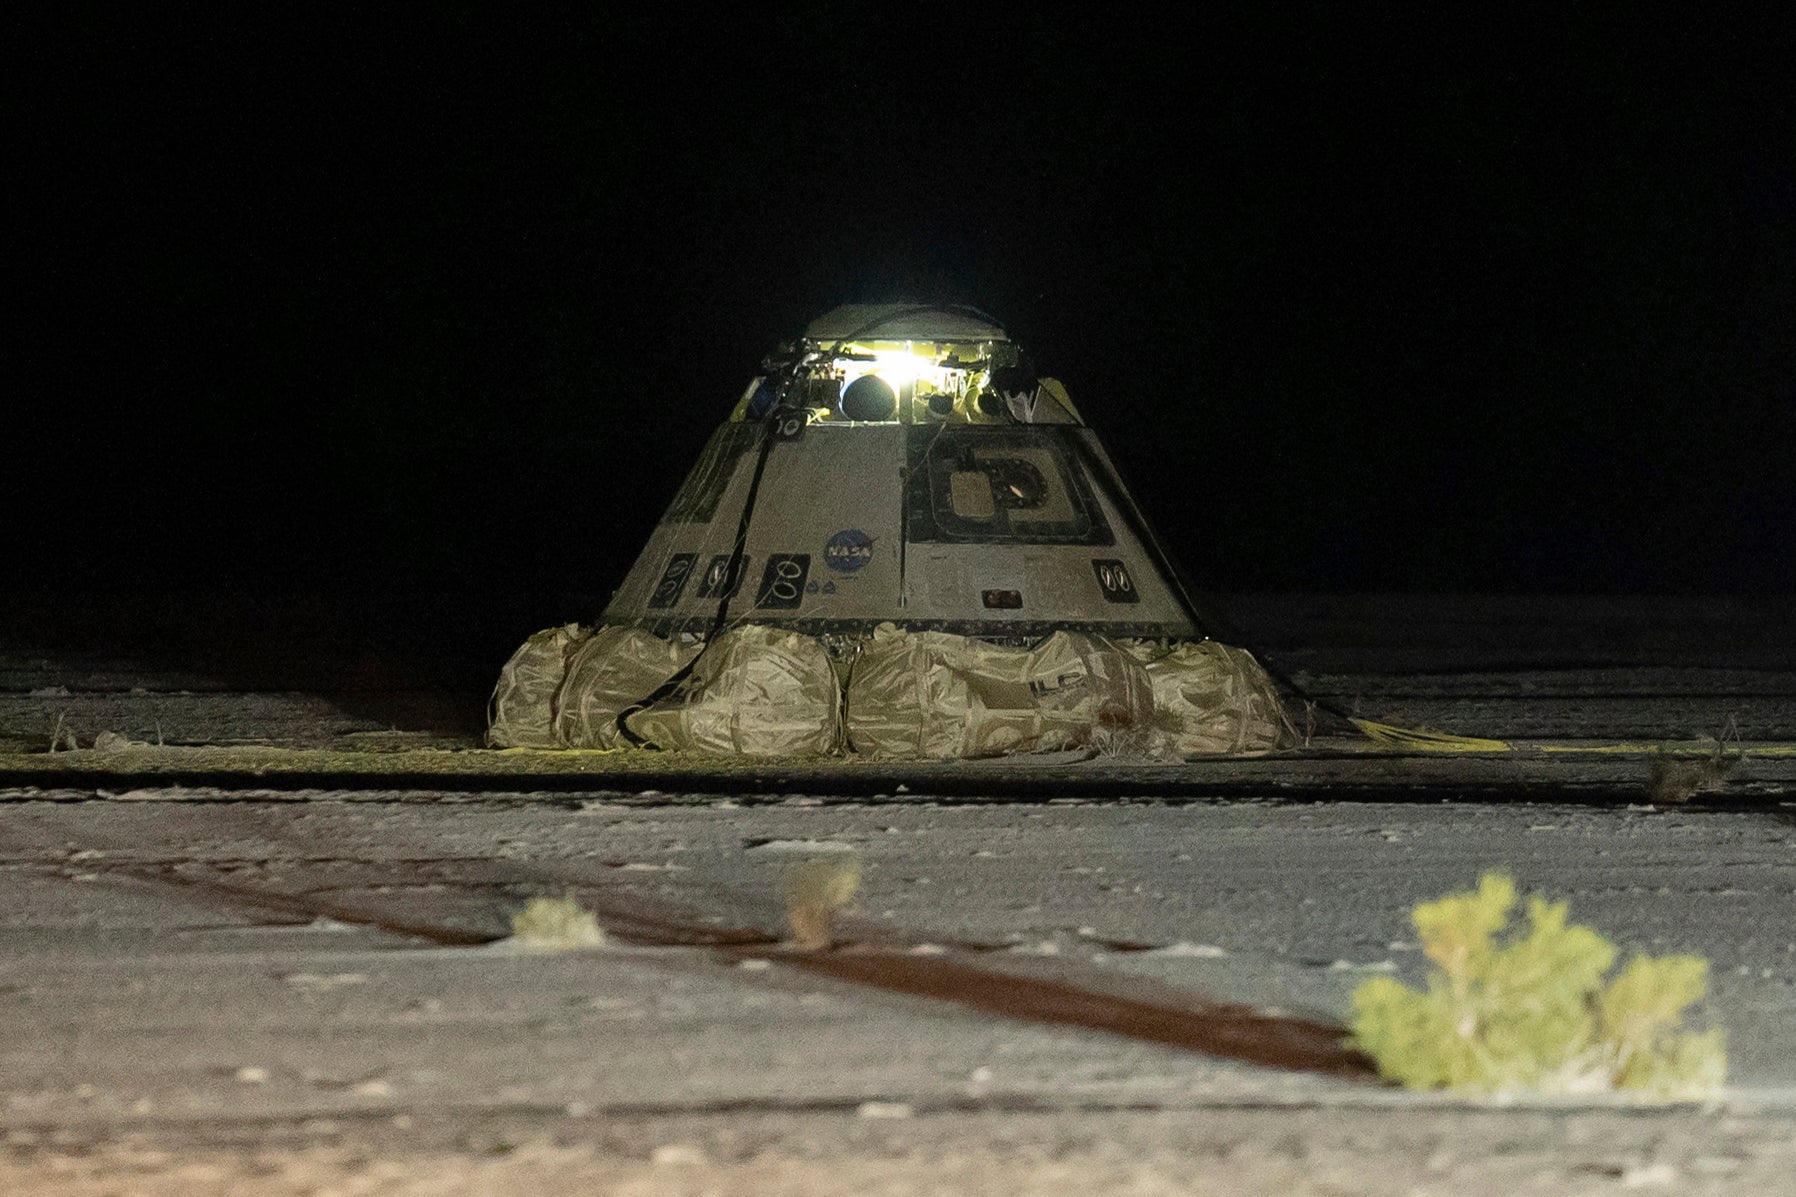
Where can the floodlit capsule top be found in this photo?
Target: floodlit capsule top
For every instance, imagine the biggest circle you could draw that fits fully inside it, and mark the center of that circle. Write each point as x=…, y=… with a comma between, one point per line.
x=905, y=364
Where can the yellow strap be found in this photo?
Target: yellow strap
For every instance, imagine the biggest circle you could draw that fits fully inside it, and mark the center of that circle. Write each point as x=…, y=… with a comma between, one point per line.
x=1427, y=741
x=1415, y=740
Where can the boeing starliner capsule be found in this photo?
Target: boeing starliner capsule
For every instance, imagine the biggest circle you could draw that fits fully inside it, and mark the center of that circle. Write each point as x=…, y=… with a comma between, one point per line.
x=901, y=544
x=903, y=464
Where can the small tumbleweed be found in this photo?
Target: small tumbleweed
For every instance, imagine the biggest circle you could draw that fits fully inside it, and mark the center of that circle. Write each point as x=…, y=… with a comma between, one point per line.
x=815, y=892
x=555, y=925
x=1675, y=779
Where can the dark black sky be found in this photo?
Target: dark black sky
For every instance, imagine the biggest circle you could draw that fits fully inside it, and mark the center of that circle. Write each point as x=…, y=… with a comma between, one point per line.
x=1361, y=299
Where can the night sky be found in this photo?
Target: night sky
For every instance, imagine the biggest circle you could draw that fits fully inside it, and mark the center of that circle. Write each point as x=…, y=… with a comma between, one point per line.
x=1358, y=301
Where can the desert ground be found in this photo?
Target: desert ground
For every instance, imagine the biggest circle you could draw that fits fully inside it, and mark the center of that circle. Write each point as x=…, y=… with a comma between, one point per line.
x=257, y=881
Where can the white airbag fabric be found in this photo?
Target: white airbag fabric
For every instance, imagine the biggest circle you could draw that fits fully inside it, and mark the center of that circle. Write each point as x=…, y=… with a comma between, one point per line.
x=615, y=669
x=936, y=695
x=755, y=691
x=521, y=713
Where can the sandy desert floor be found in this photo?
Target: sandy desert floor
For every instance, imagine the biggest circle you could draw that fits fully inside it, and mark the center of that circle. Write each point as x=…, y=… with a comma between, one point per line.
x=229, y=966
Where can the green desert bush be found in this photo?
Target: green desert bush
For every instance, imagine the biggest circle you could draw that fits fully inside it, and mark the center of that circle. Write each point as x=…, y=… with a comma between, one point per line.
x=1529, y=1011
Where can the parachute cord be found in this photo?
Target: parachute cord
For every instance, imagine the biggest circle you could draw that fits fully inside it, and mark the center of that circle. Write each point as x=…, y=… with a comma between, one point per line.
x=1212, y=624
x=1389, y=734
x=732, y=581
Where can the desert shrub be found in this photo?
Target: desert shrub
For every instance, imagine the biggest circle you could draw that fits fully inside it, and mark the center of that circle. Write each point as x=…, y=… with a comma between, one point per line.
x=1529, y=1011
x=555, y=925
x=816, y=891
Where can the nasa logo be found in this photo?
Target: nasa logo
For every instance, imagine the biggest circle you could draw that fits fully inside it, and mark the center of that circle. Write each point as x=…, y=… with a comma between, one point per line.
x=848, y=550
